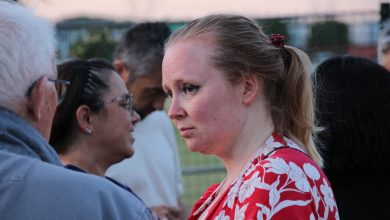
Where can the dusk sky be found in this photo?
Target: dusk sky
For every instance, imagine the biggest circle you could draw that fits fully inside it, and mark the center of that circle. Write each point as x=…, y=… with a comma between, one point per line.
x=174, y=10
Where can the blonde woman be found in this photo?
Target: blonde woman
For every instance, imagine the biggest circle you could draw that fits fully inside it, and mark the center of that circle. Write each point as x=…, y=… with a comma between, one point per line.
x=246, y=98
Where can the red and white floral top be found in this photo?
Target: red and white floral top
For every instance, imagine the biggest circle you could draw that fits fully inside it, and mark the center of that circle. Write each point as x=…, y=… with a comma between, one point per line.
x=280, y=182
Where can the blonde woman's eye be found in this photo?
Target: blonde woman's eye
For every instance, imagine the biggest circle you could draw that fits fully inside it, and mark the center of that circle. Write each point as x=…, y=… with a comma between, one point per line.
x=188, y=88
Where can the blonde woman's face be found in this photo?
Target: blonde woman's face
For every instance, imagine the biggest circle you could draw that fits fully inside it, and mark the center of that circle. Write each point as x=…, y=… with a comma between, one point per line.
x=205, y=107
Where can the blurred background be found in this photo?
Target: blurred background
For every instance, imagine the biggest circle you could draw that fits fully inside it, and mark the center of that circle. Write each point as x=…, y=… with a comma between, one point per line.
x=322, y=28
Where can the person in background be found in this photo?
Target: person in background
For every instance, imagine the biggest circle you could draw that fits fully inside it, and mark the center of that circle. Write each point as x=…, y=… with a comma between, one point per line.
x=93, y=124
x=353, y=106
x=383, y=48
x=247, y=98
x=154, y=172
x=33, y=183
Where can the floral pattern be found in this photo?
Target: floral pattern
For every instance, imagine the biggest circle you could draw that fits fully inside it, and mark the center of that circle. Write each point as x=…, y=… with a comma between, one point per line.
x=280, y=182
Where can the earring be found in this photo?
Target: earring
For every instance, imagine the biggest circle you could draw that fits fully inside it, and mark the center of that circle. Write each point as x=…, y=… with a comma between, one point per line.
x=88, y=130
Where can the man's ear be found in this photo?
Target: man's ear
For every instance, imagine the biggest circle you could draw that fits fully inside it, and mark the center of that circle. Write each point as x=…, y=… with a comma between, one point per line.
x=121, y=68
x=251, y=86
x=35, y=101
x=83, y=118
x=41, y=106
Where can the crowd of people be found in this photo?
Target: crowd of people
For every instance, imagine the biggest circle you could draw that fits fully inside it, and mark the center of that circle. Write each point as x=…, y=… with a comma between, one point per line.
x=296, y=143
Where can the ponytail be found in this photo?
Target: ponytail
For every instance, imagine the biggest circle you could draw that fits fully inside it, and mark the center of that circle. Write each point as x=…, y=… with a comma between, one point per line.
x=297, y=102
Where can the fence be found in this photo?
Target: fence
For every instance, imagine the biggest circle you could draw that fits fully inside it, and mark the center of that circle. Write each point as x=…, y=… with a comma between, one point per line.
x=359, y=36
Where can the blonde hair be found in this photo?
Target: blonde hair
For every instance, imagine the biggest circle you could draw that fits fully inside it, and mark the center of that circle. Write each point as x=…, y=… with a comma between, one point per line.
x=241, y=48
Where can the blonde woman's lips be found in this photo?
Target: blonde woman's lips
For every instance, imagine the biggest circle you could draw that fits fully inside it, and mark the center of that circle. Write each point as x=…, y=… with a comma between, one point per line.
x=186, y=132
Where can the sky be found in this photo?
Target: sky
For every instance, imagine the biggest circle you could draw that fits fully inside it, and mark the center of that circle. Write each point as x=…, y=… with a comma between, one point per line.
x=178, y=10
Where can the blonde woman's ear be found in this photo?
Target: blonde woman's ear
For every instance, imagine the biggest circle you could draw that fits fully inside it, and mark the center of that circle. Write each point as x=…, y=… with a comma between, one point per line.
x=251, y=86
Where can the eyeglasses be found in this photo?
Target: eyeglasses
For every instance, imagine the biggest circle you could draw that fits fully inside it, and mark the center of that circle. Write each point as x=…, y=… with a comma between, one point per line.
x=61, y=88
x=125, y=100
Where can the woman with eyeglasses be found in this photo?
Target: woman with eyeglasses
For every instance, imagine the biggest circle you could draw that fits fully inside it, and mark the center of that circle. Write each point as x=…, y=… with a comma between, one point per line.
x=94, y=119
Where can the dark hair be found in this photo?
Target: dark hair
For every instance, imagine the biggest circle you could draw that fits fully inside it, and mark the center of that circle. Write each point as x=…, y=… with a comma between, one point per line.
x=241, y=47
x=353, y=106
x=142, y=48
x=88, y=84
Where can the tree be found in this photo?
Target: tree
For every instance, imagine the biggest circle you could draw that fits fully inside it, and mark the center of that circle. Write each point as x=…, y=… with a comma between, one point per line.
x=274, y=26
x=329, y=35
x=97, y=43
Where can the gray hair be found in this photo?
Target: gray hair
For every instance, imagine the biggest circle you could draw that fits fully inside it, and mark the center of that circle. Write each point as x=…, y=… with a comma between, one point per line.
x=26, y=52
x=142, y=48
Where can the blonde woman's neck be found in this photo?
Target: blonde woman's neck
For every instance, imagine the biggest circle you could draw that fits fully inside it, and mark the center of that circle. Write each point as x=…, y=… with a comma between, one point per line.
x=257, y=128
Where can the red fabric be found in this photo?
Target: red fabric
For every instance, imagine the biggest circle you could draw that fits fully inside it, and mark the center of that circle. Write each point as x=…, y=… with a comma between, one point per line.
x=280, y=182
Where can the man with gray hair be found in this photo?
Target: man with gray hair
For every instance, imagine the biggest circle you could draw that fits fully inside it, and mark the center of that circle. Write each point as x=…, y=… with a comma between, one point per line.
x=33, y=185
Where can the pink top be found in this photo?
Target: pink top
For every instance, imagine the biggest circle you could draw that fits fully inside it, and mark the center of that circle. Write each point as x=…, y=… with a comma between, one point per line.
x=280, y=182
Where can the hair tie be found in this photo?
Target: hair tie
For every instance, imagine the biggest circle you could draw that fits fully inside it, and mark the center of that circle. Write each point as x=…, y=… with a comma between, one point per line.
x=278, y=40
